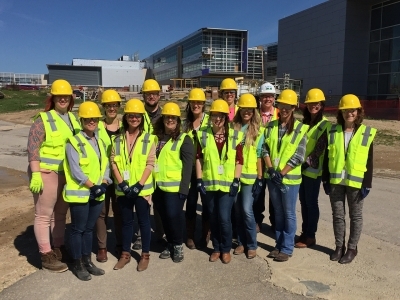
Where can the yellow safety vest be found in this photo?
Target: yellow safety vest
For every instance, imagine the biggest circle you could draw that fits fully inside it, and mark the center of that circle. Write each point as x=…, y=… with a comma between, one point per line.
x=148, y=126
x=102, y=133
x=218, y=173
x=249, y=170
x=91, y=166
x=203, y=126
x=312, y=137
x=52, y=150
x=137, y=164
x=168, y=168
x=289, y=144
x=354, y=164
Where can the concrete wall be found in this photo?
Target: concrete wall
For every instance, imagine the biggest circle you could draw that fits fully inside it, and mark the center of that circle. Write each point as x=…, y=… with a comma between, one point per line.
x=112, y=77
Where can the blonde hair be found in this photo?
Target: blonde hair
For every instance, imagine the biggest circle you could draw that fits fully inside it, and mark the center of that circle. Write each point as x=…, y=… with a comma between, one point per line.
x=252, y=130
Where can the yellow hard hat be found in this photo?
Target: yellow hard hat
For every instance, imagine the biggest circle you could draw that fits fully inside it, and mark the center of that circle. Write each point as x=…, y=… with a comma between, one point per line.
x=197, y=95
x=247, y=100
x=220, y=105
x=287, y=97
x=314, y=95
x=349, y=101
x=89, y=109
x=150, y=85
x=61, y=87
x=171, y=109
x=134, y=106
x=110, y=96
x=228, y=84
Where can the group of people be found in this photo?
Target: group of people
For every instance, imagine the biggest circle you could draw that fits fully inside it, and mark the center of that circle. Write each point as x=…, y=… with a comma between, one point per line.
x=153, y=157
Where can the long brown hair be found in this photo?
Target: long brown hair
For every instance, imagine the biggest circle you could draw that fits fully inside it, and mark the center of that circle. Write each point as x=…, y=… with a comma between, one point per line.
x=359, y=119
x=253, y=129
x=190, y=117
x=159, y=129
x=307, y=115
x=289, y=123
x=49, y=103
x=125, y=124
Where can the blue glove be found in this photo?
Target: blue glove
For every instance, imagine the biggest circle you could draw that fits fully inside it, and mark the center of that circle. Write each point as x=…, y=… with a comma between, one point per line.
x=327, y=187
x=97, y=191
x=257, y=187
x=104, y=187
x=234, y=188
x=364, y=192
x=135, y=190
x=124, y=187
x=200, y=187
x=275, y=176
x=182, y=196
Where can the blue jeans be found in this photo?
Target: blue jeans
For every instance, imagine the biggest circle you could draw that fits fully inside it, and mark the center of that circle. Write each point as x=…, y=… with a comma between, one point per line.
x=142, y=208
x=170, y=207
x=83, y=219
x=285, y=216
x=259, y=204
x=308, y=195
x=246, y=223
x=219, y=206
x=191, y=201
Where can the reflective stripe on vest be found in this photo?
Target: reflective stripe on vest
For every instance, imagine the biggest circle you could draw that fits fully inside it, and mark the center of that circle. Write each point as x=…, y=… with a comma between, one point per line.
x=249, y=169
x=148, y=126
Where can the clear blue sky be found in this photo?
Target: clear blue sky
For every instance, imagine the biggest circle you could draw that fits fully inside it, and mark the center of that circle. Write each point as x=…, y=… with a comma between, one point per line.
x=34, y=33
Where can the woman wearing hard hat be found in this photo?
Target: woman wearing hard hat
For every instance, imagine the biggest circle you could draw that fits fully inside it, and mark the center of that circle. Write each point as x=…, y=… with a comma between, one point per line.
x=46, y=151
x=108, y=128
x=218, y=169
x=228, y=92
x=133, y=158
x=348, y=174
x=87, y=175
x=196, y=119
x=312, y=167
x=284, y=151
x=172, y=173
x=248, y=121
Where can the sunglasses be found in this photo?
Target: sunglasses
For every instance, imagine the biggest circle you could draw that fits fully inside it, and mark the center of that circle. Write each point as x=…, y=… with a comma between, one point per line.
x=349, y=110
x=110, y=106
x=88, y=120
x=134, y=116
x=284, y=106
x=216, y=116
x=152, y=94
x=166, y=117
x=229, y=92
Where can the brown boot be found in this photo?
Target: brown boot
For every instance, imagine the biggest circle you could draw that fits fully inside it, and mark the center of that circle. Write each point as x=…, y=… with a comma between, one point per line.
x=205, y=234
x=214, y=256
x=308, y=242
x=226, y=258
x=338, y=253
x=349, y=256
x=62, y=254
x=190, y=228
x=124, y=259
x=144, y=262
x=102, y=255
x=51, y=263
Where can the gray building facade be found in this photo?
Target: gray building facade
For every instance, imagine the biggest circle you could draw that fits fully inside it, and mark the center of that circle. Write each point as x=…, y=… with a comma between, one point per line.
x=329, y=46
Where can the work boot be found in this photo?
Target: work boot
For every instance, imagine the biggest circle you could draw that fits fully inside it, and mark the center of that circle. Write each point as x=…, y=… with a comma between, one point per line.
x=63, y=254
x=123, y=260
x=349, y=256
x=167, y=252
x=51, y=263
x=80, y=271
x=338, y=253
x=251, y=254
x=281, y=257
x=178, y=253
x=214, y=256
x=144, y=262
x=274, y=253
x=308, y=242
x=239, y=250
x=301, y=238
x=190, y=229
x=205, y=234
x=102, y=255
x=226, y=258
x=90, y=267
x=137, y=245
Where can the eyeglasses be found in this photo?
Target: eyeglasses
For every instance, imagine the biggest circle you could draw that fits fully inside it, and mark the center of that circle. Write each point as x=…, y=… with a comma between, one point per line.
x=268, y=96
x=314, y=104
x=152, y=94
x=218, y=115
x=60, y=97
x=229, y=92
x=88, y=120
x=194, y=102
x=349, y=110
x=247, y=110
x=282, y=106
x=134, y=116
x=168, y=117
x=110, y=106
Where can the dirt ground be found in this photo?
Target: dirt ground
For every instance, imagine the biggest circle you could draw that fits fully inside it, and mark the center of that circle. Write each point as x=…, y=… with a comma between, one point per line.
x=17, y=242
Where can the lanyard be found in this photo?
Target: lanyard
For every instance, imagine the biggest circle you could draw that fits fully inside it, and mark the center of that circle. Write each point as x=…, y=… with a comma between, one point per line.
x=131, y=148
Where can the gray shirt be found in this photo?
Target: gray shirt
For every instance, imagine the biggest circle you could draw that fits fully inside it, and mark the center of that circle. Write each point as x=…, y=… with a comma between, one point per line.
x=72, y=158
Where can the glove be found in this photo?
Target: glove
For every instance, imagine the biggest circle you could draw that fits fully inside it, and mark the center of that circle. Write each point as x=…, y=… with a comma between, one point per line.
x=200, y=187
x=97, y=191
x=36, y=184
x=364, y=192
x=182, y=196
x=327, y=187
x=124, y=187
x=104, y=187
x=257, y=188
x=276, y=177
x=234, y=188
x=135, y=190
x=304, y=166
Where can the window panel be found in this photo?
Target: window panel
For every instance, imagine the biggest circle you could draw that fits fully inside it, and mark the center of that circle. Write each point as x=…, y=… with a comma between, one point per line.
x=374, y=52
x=376, y=18
x=390, y=15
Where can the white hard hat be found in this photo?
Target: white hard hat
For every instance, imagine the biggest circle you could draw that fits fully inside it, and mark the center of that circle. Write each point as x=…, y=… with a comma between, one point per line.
x=267, y=88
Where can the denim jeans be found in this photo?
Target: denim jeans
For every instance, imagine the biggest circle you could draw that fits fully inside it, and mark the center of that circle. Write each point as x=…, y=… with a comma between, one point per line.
x=83, y=219
x=259, y=204
x=308, y=195
x=246, y=223
x=285, y=216
x=170, y=207
x=219, y=206
x=142, y=208
x=191, y=201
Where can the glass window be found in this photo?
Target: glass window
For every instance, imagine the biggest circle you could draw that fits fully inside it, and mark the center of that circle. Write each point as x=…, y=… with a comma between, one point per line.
x=383, y=84
x=374, y=52
x=375, y=35
x=390, y=49
x=373, y=69
x=384, y=67
x=376, y=18
x=395, y=83
x=390, y=15
x=372, y=87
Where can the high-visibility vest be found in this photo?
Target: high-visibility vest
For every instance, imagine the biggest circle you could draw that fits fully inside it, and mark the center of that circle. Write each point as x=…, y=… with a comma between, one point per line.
x=194, y=135
x=354, y=164
x=289, y=144
x=102, y=133
x=249, y=169
x=137, y=164
x=147, y=125
x=218, y=173
x=52, y=150
x=168, y=168
x=313, y=134
x=91, y=166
